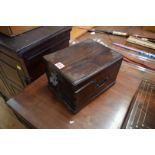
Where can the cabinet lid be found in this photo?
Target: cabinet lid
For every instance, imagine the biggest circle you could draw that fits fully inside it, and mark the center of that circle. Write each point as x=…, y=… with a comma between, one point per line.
x=30, y=39
x=81, y=61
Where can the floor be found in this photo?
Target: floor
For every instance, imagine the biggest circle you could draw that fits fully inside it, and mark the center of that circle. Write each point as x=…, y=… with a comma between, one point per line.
x=8, y=119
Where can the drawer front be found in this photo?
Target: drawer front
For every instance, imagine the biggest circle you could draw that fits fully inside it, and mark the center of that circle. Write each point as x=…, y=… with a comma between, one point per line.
x=15, y=63
x=12, y=74
x=98, y=83
x=12, y=69
x=12, y=77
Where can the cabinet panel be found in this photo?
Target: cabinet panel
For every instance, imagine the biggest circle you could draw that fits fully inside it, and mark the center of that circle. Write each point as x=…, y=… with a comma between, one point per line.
x=12, y=74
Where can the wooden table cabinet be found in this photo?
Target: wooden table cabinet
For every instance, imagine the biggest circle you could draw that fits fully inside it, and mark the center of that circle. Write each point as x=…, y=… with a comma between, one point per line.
x=21, y=56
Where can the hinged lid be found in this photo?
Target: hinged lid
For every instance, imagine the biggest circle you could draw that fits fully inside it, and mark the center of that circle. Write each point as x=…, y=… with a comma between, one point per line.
x=81, y=61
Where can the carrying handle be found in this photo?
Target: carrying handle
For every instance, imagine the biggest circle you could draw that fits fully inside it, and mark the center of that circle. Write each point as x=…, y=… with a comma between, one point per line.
x=102, y=82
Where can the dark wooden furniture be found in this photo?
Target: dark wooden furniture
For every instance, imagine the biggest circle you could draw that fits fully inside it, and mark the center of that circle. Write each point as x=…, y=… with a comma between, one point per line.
x=39, y=108
x=81, y=72
x=21, y=56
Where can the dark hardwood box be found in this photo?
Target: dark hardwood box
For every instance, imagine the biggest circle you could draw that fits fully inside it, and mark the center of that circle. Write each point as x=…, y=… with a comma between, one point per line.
x=80, y=73
x=21, y=59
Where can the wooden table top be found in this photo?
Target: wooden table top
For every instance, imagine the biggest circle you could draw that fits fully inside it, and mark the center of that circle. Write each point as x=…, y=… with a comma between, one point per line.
x=37, y=105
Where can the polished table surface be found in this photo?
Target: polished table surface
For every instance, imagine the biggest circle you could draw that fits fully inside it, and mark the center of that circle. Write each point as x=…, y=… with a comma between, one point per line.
x=38, y=107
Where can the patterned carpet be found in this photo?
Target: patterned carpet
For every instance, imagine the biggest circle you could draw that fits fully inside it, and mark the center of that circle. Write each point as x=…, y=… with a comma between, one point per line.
x=8, y=119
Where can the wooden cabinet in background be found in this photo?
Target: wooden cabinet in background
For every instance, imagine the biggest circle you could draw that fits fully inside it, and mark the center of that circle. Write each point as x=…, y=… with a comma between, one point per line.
x=21, y=56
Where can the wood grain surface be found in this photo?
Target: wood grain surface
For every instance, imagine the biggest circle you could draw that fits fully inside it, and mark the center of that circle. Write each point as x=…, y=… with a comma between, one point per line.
x=38, y=106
